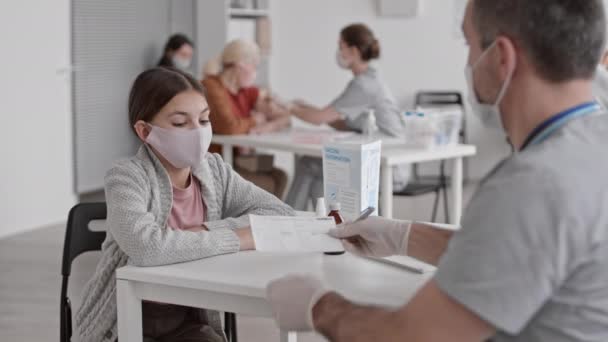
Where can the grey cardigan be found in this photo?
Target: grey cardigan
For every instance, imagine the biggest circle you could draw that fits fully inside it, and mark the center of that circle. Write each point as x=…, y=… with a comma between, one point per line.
x=139, y=197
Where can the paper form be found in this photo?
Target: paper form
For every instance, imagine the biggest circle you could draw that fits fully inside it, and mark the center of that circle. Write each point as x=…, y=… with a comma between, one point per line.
x=294, y=234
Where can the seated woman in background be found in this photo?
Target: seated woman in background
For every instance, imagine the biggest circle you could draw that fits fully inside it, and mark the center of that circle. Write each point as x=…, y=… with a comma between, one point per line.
x=239, y=107
x=357, y=46
x=177, y=53
x=172, y=202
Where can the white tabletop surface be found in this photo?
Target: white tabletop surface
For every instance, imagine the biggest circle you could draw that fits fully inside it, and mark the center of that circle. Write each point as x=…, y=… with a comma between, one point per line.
x=403, y=154
x=248, y=273
x=394, y=150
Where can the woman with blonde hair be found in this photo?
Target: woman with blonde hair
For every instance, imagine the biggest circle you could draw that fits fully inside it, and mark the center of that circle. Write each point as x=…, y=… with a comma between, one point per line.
x=238, y=106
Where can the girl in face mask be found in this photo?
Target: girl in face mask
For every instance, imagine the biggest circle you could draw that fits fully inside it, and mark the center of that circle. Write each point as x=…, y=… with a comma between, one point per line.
x=177, y=53
x=172, y=202
x=357, y=47
x=239, y=107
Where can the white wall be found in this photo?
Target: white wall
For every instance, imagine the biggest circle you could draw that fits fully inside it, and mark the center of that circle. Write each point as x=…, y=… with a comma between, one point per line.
x=36, y=185
x=424, y=53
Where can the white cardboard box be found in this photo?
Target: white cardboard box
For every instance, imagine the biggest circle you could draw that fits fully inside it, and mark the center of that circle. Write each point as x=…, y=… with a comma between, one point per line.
x=351, y=174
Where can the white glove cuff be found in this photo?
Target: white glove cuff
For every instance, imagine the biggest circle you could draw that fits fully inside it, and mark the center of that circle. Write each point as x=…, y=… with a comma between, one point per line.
x=313, y=301
x=406, y=236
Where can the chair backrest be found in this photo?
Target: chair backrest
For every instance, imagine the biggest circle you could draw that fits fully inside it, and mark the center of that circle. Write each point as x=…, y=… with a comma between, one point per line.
x=78, y=239
x=442, y=99
x=439, y=98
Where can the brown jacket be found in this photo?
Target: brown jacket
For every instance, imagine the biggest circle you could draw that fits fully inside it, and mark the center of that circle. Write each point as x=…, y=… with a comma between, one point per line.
x=222, y=117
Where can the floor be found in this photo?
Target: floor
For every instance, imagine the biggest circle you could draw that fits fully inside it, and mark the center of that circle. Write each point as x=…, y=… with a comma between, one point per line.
x=30, y=281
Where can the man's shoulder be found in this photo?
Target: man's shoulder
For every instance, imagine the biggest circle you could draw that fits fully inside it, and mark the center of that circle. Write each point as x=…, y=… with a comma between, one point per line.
x=575, y=151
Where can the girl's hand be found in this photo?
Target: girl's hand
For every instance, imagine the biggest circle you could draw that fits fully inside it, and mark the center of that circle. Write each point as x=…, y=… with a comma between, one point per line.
x=197, y=229
x=246, y=239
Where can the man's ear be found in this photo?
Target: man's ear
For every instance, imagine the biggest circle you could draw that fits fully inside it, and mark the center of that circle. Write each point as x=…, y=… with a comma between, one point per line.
x=142, y=129
x=508, y=56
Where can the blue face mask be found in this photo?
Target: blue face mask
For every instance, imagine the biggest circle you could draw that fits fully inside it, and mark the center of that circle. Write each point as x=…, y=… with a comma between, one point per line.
x=489, y=114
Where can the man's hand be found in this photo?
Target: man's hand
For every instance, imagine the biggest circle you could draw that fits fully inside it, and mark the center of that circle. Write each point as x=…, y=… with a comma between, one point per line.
x=374, y=237
x=292, y=299
x=430, y=316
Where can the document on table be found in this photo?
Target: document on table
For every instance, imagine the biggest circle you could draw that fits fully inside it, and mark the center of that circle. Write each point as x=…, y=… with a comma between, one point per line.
x=294, y=234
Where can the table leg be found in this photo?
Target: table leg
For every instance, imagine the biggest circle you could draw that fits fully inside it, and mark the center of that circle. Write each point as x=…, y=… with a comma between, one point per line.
x=457, y=184
x=227, y=151
x=287, y=336
x=386, y=191
x=129, y=312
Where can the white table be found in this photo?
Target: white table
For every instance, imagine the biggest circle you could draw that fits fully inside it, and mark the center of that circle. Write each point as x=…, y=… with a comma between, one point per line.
x=237, y=283
x=393, y=153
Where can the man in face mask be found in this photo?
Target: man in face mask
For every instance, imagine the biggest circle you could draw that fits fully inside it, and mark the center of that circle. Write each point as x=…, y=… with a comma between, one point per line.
x=531, y=260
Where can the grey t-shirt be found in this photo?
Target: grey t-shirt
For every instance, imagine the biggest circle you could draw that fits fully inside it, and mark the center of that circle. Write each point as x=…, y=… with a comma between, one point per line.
x=532, y=256
x=367, y=91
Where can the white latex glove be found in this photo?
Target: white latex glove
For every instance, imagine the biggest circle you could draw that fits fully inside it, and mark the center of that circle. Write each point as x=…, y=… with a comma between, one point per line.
x=374, y=237
x=292, y=299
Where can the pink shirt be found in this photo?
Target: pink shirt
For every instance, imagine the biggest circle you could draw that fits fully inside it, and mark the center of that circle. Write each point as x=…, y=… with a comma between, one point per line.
x=188, y=209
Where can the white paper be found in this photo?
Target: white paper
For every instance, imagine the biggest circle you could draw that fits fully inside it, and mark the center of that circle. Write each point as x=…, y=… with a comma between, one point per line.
x=294, y=234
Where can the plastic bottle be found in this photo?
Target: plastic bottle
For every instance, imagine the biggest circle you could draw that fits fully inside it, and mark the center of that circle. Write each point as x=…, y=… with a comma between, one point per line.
x=370, y=123
x=408, y=129
x=320, y=209
x=335, y=213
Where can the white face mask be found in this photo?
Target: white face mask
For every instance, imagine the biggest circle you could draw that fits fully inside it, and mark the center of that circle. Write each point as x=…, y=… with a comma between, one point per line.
x=181, y=63
x=342, y=62
x=489, y=114
x=181, y=148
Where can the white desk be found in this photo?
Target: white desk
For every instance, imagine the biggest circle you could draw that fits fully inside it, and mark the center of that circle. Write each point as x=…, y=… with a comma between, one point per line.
x=393, y=153
x=237, y=283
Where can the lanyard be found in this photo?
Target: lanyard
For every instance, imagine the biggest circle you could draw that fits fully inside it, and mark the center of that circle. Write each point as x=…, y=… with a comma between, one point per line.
x=544, y=130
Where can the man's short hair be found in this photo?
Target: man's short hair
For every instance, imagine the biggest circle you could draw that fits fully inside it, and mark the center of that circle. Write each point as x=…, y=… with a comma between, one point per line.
x=564, y=39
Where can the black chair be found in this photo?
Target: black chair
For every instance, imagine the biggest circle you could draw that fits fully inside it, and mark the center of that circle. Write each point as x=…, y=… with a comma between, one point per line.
x=230, y=326
x=420, y=185
x=80, y=239
x=440, y=99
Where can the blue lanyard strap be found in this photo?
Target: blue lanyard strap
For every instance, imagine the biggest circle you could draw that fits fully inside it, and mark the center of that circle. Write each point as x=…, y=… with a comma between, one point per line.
x=544, y=130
